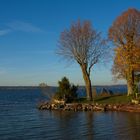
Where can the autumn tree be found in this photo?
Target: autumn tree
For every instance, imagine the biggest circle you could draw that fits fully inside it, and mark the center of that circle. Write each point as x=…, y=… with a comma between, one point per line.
x=83, y=44
x=125, y=34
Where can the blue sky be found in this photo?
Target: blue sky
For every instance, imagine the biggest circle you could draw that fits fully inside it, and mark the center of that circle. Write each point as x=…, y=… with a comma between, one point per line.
x=29, y=34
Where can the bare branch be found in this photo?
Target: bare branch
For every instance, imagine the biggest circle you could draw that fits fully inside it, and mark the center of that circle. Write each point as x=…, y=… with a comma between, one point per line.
x=82, y=43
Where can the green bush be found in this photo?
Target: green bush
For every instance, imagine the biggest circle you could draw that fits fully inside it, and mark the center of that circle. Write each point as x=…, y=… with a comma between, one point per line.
x=66, y=91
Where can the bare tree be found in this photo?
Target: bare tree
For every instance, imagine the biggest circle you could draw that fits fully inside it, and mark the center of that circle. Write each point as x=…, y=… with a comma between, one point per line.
x=46, y=90
x=84, y=45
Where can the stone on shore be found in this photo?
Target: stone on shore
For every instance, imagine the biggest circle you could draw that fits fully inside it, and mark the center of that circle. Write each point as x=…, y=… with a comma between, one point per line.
x=89, y=107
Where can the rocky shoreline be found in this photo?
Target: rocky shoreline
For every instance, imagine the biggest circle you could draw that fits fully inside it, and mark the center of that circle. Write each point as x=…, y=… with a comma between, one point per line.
x=89, y=107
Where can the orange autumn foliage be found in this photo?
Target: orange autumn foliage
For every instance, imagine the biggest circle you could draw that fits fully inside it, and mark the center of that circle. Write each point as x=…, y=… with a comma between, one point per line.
x=125, y=34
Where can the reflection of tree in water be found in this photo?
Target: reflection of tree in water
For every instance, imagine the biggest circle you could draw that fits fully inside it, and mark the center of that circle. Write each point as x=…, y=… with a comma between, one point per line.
x=75, y=125
x=90, y=121
x=46, y=91
x=133, y=125
x=126, y=125
x=67, y=124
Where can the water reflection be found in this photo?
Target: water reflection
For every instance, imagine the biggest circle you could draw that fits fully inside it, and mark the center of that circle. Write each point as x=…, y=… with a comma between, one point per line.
x=92, y=125
x=21, y=120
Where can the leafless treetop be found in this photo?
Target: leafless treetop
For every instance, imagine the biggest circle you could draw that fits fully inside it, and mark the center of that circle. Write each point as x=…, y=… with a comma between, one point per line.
x=82, y=43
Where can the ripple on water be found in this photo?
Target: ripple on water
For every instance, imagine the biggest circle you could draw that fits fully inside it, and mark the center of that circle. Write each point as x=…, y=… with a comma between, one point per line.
x=19, y=119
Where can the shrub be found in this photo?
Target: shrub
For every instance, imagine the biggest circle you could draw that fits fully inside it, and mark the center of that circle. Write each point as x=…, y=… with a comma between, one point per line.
x=66, y=91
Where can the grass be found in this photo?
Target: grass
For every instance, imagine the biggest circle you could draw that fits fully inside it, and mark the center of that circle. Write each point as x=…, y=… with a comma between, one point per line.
x=108, y=99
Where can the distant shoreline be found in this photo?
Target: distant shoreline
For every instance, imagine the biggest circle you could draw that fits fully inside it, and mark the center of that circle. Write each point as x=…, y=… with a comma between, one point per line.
x=57, y=86
x=19, y=87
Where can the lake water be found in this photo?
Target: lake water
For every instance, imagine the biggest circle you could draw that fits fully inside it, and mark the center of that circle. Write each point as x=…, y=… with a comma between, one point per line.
x=20, y=120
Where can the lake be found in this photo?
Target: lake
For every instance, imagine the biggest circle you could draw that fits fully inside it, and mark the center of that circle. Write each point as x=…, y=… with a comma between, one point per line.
x=21, y=120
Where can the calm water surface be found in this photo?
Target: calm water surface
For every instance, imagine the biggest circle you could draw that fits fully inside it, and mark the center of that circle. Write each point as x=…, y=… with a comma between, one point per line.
x=20, y=120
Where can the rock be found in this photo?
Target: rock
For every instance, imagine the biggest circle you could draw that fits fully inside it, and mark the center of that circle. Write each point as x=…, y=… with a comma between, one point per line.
x=89, y=107
x=78, y=107
x=135, y=101
x=97, y=108
x=44, y=105
x=59, y=101
x=106, y=108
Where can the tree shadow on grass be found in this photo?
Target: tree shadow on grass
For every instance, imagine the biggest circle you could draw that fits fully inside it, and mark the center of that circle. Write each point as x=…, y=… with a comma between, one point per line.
x=107, y=97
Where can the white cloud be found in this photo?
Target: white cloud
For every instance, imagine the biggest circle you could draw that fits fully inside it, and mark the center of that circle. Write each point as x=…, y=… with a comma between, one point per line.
x=23, y=26
x=4, y=32
x=19, y=26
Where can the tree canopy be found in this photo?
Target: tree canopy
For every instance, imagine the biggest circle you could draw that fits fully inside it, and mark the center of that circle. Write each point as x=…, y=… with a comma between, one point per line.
x=125, y=34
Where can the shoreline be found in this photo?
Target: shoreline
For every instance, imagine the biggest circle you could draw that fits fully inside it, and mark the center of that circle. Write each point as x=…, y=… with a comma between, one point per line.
x=90, y=107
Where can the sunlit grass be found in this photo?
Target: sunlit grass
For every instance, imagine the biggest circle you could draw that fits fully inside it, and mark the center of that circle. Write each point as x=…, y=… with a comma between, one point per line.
x=108, y=99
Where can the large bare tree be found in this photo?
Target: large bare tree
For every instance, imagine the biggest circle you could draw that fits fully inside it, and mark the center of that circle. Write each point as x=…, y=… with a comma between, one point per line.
x=84, y=45
x=125, y=34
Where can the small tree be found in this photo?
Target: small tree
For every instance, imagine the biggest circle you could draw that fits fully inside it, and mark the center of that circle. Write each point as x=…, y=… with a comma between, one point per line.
x=66, y=91
x=84, y=45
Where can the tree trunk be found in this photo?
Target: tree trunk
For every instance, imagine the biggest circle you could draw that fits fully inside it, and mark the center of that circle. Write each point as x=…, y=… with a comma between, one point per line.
x=129, y=88
x=130, y=83
x=87, y=80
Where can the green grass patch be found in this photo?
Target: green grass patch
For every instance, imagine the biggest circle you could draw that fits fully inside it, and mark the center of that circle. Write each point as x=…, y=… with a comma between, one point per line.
x=114, y=99
x=110, y=99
